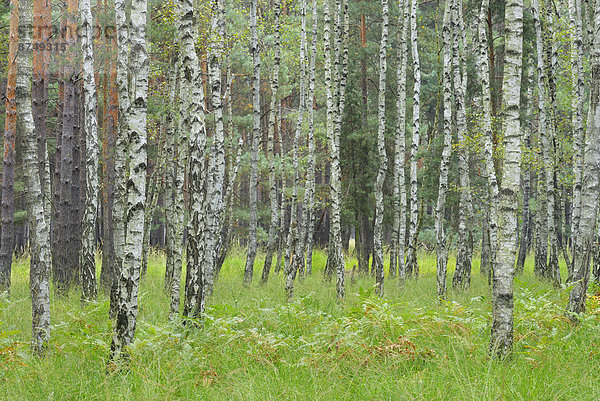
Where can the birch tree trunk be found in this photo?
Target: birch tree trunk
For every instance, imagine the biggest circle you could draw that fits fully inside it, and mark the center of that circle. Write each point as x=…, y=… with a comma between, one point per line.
x=548, y=143
x=40, y=263
x=399, y=227
x=253, y=187
x=294, y=235
x=464, y=249
x=7, y=241
x=192, y=124
x=488, y=152
x=575, y=22
x=502, y=275
x=271, y=149
x=335, y=260
x=123, y=47
x=412, y=266
x=442, y=253
x=590, y=190
x=309, y=197
x=216, y=177
x=378, y=228
x=88, y=250
x=129, y=278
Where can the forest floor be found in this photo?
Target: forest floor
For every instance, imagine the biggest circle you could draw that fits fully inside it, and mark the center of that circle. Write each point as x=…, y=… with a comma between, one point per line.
x=255, y=346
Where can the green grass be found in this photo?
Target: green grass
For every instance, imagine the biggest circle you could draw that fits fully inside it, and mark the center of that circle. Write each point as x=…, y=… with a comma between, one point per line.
x=255, y=346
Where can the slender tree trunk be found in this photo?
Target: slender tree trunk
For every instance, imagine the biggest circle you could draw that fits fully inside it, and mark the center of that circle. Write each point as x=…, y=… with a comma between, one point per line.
x=294, y=237
x=502, y=275
x=88, y=251
x=488, y=136
x=7, y=241
x=253, y=188
x=309, y=198
x=271, y=149
x=525, y=177
x=590, y=189
x=216, y=178
x=40, y=263
x=129, y=277
x=192, y=123
x=400, y=143
x=412, y=266
x=378, y=230
x=123, y=45
x=442, y=252
x=575, y=22
x=464, y=249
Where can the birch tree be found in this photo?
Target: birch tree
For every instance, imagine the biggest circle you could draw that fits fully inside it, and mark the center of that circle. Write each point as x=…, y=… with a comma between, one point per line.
x=442, y=253
x=216, y=178
x=399, y=225
x=378, y=229
x=590, y=190
x=88, y=250
x=40, y=261
x=253, y=187
x=271, y=148
x=502, y=275
x=412, y=266
x=129, y=277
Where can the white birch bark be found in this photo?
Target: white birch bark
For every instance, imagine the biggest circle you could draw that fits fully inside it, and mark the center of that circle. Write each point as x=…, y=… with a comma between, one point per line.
x=502, y=275
x=271, y=148
x=216, y=165
x=120, y=161
x=249, y=269
x=441, y=251
x=379, y=207
x=88, y=249
x=294, y=237
x=463, y=257
x=412, y=266
x=129, y=277
x=40, y=261
x=399, y=228
x=486, y=126
x=192, y=124
x=584, y=241
x=575, y=21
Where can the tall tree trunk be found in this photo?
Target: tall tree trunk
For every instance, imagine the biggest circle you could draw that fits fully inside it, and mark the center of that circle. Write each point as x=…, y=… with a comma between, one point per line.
x=253, y=188
x=399, y=228
x=590, y=190
x=462, y=274
x=40, y=263
x=122, y=79
x=575, y=21
x=412, y=266
x=192, y=121
x=7, y=241
x=548, y=143
x=442, y=252
x=488, y=136
x=294, y=237
x=502, y=275
x=378, y=229
x=526, y=176
x=271, y=149
x=216, y=175
x=129, y=277
x=309, y=199
x=88, y=251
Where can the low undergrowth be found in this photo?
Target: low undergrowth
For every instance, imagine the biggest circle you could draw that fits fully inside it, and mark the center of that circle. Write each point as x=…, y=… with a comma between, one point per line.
x=252, y=345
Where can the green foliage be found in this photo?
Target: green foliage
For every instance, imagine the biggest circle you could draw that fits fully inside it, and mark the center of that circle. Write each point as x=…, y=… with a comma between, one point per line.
x=254, y=345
